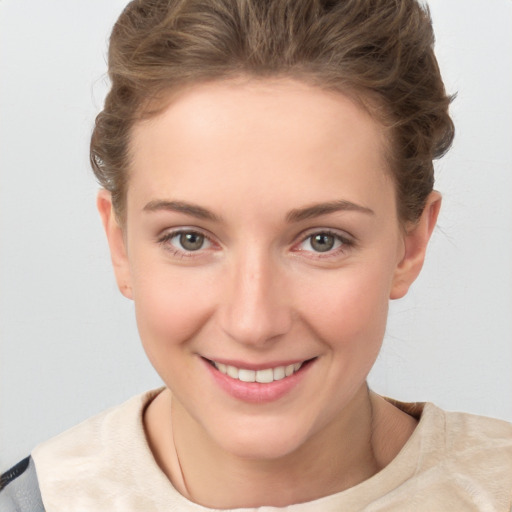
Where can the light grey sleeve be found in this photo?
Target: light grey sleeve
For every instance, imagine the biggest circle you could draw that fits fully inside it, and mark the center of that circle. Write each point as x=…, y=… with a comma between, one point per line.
x=21, y=492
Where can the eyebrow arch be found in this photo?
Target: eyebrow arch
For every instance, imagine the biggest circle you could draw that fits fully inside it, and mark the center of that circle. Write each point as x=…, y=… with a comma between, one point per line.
x=317, y=210
x=181, y=207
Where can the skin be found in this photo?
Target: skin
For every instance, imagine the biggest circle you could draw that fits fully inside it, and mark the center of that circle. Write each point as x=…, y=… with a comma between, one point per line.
x=257, y=155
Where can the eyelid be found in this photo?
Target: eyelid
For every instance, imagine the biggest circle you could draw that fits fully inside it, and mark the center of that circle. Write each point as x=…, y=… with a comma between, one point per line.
x=347, y=242
x=338, y=233
x=165, y=236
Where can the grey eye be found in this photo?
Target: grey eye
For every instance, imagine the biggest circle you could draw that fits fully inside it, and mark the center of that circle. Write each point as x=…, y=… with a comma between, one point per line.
x=191, y=241
x=322, y=242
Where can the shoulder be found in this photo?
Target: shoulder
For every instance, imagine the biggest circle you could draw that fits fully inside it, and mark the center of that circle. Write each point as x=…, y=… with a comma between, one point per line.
x=93, y=436
x=454, y=461
x=19, y=489
x=469, y=433
x=478, y=442
x=470, y=455
x=108, y=453
x=460, y=434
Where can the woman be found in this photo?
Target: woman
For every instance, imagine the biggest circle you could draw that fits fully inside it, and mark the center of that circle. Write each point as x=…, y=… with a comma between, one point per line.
x=267, y=188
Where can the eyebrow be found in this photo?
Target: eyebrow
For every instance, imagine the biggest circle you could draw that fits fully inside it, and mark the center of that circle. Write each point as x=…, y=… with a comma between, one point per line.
x=296, y=215
x=316, y=210
x=181, y=207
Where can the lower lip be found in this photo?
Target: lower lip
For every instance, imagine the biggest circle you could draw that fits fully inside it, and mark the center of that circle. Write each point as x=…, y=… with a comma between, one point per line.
x=256, y=392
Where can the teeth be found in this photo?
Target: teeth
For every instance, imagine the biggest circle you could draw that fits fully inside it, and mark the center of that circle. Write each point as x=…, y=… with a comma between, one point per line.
x=263, y=376
x=232, y=372
x=279, y=373
x=289, y=370
x=247, y=375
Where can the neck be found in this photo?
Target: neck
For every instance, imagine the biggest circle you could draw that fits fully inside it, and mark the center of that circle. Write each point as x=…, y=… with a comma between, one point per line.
x=341, y=455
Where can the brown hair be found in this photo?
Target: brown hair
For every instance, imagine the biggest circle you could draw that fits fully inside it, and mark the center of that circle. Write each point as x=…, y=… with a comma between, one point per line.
x=379, y=50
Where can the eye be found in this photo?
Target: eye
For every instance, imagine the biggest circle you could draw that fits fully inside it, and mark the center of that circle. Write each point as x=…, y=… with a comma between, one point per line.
x=186, y=241
x=189, y=241
x=324, y=242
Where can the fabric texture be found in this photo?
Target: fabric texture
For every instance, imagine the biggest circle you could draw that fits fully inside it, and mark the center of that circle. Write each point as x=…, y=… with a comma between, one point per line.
x=452, y=462
x=19, y=489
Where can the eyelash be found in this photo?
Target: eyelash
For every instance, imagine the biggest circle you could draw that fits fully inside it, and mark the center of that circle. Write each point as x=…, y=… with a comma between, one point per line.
x=345, y=243
x=165, y=241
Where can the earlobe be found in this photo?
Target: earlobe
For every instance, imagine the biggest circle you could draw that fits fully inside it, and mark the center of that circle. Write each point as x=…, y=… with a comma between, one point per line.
x=415, y=246
x=116, y=242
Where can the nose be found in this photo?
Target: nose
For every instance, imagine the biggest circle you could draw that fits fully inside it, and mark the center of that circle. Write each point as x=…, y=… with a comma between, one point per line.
x=255, y=308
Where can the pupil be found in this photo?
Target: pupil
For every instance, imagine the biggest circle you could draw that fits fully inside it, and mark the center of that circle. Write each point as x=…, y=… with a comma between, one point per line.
x=191, y=241
x=322, y=242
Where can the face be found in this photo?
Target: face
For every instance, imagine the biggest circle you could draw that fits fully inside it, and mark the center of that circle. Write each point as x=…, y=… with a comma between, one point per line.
x=261, y=247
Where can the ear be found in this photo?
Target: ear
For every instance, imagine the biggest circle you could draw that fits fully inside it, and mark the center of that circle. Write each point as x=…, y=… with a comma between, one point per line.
x=415, y=246
x=116, y=242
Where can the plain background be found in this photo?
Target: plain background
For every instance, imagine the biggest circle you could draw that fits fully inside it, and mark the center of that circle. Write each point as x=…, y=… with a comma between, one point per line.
x=68, y=341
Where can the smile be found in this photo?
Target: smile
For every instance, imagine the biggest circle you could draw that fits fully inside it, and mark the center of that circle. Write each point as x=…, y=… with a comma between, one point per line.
x=260, y=384
x=264, y=376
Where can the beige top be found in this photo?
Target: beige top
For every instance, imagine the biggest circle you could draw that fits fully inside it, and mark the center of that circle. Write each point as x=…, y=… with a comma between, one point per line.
x=452, y=462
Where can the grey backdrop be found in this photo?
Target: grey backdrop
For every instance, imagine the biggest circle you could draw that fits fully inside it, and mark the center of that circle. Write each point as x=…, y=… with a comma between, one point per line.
x=68, y=341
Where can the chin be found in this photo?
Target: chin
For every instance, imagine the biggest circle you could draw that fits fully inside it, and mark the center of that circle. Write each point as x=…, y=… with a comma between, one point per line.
x=262, y=438
x=264, y=449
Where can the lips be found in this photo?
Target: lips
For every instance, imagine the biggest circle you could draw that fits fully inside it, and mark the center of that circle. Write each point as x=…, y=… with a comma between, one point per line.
x=261, y=383
x=263, y=376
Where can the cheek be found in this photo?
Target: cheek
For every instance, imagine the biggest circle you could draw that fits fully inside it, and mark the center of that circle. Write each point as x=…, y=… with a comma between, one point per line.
x=171, y=307
x=348, y=310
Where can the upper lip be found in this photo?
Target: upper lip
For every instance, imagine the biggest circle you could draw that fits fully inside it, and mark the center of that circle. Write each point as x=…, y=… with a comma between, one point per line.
x=256, y=366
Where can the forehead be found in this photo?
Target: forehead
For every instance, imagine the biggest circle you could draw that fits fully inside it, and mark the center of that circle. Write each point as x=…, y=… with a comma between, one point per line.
x=268, y=138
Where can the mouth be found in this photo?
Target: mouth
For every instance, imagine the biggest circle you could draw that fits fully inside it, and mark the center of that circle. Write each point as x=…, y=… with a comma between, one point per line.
x=258, y=383
x=263, y=375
